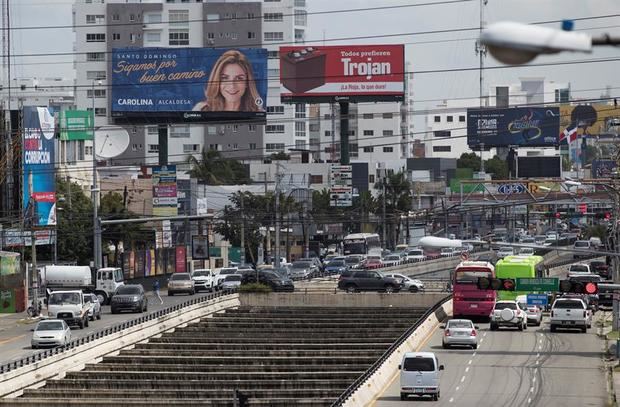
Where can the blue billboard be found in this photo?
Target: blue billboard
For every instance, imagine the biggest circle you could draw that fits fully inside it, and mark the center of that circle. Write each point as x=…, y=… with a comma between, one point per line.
x=189, y=84
x=38, y=156
x=517, y=126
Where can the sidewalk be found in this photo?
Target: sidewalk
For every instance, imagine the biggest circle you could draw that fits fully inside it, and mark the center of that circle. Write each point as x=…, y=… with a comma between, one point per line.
x=612, y=363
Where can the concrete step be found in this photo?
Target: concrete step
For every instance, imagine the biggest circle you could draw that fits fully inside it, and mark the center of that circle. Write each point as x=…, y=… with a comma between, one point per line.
x=358, y=325
x=143, y=375
x=325, y=342
x=335, y=331
x=226, y=402
x=126, y=357
x=191, y=351
x=197, y=367
x=323, y=310
x=240, y=346
x=315, y=317
x=171, y=394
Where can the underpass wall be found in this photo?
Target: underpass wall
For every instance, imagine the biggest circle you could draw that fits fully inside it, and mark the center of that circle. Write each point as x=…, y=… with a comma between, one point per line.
x=359, y=300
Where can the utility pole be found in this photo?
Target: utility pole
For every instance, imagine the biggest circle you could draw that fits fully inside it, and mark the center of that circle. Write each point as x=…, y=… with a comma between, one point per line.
x=277, y=210
x=242, y=254
x=94, y=191
x=384, y=218
x=306, y=231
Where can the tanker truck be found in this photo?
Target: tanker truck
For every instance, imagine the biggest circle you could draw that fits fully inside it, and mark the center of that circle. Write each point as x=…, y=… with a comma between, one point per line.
x=106, y=281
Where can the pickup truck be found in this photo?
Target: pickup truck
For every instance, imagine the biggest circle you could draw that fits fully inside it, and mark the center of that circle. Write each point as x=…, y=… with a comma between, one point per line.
x=204, y=279
x=70, y=306
x=570, y=313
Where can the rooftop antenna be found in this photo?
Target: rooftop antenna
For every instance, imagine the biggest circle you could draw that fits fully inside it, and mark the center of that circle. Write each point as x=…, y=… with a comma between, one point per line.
x=481, y=51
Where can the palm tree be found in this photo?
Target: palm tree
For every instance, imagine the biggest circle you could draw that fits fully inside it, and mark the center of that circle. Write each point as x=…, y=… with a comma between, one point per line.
x=397, y=200
x=213, y=169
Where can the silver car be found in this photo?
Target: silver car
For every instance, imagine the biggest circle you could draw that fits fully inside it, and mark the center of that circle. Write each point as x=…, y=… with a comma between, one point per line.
x=460, y=332
x=95, y=306
x=232, y=282
x=51, y=332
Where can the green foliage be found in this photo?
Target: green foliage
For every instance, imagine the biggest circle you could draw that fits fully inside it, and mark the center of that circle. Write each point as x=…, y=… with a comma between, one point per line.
x=113, y=207
x=469, y=160
x=213, y=169
x=497, y=167
x=398, y=199
x=599, y=231
x=254, y=288
x=75, y=223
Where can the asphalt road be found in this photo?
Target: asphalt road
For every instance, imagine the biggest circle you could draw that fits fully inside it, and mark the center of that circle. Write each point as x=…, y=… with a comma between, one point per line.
x=15, y=338
x=511, y=368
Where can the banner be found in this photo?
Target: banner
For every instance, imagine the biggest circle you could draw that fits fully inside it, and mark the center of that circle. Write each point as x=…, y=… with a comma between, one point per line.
x=200, y=247
x=189, y=84
x=518, y=126
x=76, y=125
x=165, y=191
x=349, y=72
x=39, y=175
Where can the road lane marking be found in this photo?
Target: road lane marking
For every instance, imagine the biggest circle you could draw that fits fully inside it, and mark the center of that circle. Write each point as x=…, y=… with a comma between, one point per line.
x=462, y=379
x=539, y=347
x=481, y=340
x=457, y=388
x=529, y=401
x=469, y=363
x=532, y=389
x=474, y=354
x=534, y=378
x=14, y=338
x=467, y=369
x=451, y=399
x=537, y=355
x=484, y=334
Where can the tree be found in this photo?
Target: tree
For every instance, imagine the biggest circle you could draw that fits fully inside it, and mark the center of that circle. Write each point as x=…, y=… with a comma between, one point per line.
x=75, y=223
x=112, y=206
x=398, y=200
x=213, y=169
x=469, y=160
x=497, y=167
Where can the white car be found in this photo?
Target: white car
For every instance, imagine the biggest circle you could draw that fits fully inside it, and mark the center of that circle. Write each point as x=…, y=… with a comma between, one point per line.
x=203, y=279
x=232, y=282
x=579, y=269
x=505, y=251
x=526, y=251
x=570, y=313
x=415, y=255
x=95, y=306
x=447, y=252
x=391, y=260
x=508, y=313
x=459, y=332
x=408, y=284
x=533, y=312
x=51, y=332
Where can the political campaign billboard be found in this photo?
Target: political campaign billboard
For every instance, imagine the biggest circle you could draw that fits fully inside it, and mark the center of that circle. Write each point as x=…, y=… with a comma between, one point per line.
x=38, y=157
x=342, y=73
x=517, y=126
x=189, y=84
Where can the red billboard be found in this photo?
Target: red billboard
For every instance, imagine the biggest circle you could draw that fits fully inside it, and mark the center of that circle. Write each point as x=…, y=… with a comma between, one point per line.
x=342, y=73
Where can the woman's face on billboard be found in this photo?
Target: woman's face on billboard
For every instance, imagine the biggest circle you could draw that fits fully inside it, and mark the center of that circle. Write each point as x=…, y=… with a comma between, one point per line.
x=233, y=83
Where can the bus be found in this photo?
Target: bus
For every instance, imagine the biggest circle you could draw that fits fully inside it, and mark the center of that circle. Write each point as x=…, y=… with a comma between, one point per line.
x=362, y=243
x=467, y=299
x=518, y=267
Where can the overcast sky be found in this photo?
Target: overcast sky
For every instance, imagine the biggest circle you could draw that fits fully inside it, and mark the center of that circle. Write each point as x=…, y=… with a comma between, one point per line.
x=427, y=53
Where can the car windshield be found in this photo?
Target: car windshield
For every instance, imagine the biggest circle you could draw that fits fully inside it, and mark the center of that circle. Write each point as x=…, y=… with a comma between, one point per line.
x=471, y=276
x=568, y=304
x=50, y=326
x=582, y=244
x=127, y=290
x=578, y=268
x=504, y=305
x=64, y=298
x=459, y=324
x=301, y=265
x=415, y=253
x=420, y=364
x=233, y=278
x=352, y=260
x=228, y=271
x=180, y=276
x=336, y=263
x=201, y=273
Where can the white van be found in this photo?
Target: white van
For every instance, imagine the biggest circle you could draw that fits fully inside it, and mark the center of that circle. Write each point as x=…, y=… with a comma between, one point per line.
x=419, y=375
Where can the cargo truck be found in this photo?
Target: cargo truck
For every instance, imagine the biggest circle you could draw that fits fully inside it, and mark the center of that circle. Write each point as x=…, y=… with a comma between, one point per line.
x=106, y=281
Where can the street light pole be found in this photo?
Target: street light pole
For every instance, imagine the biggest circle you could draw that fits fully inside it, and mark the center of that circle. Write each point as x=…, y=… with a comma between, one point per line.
x=94, y=191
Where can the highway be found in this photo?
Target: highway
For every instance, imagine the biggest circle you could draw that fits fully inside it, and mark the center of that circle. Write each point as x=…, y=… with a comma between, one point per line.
x=511, y=368
x=15, y=338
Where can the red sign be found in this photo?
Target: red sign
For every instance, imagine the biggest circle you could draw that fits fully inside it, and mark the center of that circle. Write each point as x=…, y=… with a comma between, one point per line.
x=342, y=73
x=44, y=196
x=583, y=208
x=181, y=257
x=558, y=215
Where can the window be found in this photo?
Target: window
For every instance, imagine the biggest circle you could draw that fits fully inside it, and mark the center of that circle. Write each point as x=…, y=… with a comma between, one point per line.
x=300, y=35
x=152, y=37
x=153, y=148
x=369, y=133
x=371, y=178
x=95, y=56
x=235, y=128
x=273, y=54
x=462, y=119
x=178, y=18
x=252, y=128
x=328, y=133
x=116, y=17
x=132, y=17
x=213, y=18
x=251, y=35
x=214, y=147
x=388, y=149
x=273, y=17
x=116, y=36
x=449, y=119
x=300, y=3
x=388, y=132
x=368, y=116
x=274, y=36
x=179, y=131
x=272, y=147
x=300, y=129
x=273, y=73
x=441, y=133
x=301, y=18
x=95, y=37
x=251, y=16
x=211, y=130
x=152, y=18
x=178, y=37
x=152, y=131
x=301, y=144
x=300, y=110
x=369, y=149
x=387, y=115
x=95, y=75
x=274, y=128
x=99, y=93
x=95, y=19
x=190, y=148
x=442, y=149
x=252, y=146
x=314, y=127
x=275, y=109
x=437, y=119
x=316, y=179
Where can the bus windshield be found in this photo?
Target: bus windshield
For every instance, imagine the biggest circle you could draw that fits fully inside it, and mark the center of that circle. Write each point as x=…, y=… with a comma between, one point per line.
x=355, y=247
x=470, y=276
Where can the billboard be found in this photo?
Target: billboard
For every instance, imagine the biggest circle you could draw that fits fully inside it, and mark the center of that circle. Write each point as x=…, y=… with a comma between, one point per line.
x=594, y=119
x=76, y=125
x=603, y=168
x=342, y=73
x=189, y=84
x=200, y=247
x=165, y=201
x=517, y=126
x=539, y=167
x=38, y=158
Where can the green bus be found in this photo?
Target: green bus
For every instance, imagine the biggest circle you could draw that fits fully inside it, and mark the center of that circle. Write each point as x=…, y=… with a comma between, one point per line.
x=518, y=267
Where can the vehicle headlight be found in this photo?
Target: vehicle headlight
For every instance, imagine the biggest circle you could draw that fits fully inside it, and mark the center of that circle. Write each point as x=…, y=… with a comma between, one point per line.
x=50, y=314
x=136, y=298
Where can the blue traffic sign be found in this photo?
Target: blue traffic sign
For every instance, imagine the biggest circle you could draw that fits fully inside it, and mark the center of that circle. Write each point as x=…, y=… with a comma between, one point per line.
x=537, y=299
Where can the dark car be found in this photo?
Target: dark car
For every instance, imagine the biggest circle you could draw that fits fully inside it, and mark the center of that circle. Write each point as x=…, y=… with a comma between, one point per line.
x=367, y=280
x=600, y=267
x=129, y=297
x=268, y=277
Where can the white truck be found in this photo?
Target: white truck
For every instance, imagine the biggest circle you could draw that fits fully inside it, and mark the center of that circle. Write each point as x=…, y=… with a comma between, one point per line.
x=570, y=313
x=107, y=280
x=68, y=305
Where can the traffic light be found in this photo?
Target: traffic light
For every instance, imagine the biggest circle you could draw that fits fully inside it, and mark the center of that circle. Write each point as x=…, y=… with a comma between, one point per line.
x=496, y=284
x=578, y=287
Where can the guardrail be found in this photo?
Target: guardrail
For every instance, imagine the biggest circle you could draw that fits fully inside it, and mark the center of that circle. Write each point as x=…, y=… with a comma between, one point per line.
x=7, y=367
x=375, y=366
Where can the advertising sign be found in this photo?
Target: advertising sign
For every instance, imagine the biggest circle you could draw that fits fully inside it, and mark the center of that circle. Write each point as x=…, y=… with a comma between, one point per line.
x=189, y=84
x=165, y=190
x=603, y=168
x=341, y=181
x=342, y=73
x=39, y=176
x=200, y=247
x=181, y=257
x=518, y=126
x=539, y=167
x=76, y=125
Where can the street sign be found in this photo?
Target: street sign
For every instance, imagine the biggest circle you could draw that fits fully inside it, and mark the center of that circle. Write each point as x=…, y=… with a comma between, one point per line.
x=538, y=284
x=537, y=299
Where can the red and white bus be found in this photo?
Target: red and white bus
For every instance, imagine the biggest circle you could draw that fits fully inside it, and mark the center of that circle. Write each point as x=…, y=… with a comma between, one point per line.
x=468, y=300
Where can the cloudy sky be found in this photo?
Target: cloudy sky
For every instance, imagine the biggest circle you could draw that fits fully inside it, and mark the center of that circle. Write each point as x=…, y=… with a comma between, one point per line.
x=428, y=53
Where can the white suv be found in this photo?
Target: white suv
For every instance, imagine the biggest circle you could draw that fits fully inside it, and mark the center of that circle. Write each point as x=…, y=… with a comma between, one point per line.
x=508, y=313
x=579, y=269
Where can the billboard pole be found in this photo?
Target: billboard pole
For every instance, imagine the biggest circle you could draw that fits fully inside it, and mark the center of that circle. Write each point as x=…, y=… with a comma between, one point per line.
x=344, y=133
x=162, y=141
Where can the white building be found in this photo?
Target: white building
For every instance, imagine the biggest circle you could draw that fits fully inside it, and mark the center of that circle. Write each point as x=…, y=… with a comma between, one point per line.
x=446, y=123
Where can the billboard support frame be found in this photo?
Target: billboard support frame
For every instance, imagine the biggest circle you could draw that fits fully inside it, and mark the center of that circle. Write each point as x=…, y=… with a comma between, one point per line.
x=344, y=133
